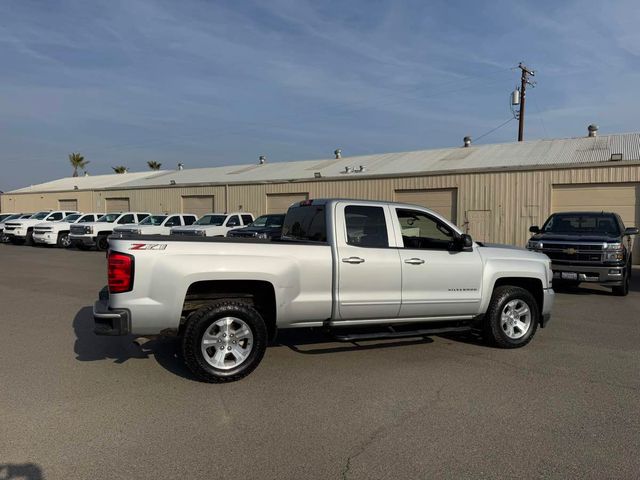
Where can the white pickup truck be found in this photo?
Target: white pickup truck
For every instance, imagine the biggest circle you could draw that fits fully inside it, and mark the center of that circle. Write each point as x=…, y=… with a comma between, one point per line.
x=8, y=218
x=57, y=233
x=157, y=224
x=400, y=268
x=214, y=224
x=21, y=231
x=96, y=234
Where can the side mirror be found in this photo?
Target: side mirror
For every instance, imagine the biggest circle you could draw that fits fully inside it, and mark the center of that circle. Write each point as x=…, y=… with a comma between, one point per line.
x=462, y=242
x=631, y=231
x=534, y=229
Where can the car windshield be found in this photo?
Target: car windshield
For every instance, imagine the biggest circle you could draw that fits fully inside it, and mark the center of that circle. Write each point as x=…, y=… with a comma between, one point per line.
x=4, y=217
x=582, y=223
x=71, y=218
x=153, y=220
x=109, y=217
x=274, y=221
x=39, y=216
x=215, y=220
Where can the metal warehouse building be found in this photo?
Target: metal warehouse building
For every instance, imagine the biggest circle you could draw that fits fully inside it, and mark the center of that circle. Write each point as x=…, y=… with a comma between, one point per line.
x=495, y=192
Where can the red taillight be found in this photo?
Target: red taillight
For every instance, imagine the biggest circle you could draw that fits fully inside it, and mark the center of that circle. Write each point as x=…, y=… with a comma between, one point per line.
x=120, y=272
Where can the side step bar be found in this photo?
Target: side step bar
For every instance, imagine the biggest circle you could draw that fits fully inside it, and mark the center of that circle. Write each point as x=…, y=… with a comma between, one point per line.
x=351, y=337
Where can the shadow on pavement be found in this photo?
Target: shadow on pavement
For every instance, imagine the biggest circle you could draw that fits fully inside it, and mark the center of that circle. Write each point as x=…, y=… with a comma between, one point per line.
x=20, y=471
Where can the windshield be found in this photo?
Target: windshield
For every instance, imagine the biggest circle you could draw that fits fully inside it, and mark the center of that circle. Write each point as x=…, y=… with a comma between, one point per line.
x=274, y=221
x=109, y=217
x=71, y=218
x=153, y=220
x=585, y=223
x=4, y=217
x=215, y=220
x=39, y=216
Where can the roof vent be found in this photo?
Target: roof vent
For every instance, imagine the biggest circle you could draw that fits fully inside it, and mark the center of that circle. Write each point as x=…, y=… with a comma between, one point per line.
x=172, y=182
x=86, y=174
x=593, y=130
x=262, y=160
x=75, y=187
x=348, y=170
x=180, y=166
x=360, y=169
x=338, y=153
x=467, y=141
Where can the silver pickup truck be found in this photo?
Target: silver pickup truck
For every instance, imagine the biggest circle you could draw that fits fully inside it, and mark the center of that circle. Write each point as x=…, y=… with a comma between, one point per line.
x=396, y=269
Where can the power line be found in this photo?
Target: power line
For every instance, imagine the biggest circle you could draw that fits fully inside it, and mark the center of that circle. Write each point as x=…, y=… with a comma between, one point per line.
x=495, y=128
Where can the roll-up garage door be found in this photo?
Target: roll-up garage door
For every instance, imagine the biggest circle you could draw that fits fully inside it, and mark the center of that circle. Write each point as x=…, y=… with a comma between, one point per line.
x=199, y=205
x=443, y=201
x=117, y=204
x=622, y=199
x=68, y=204
x=280, y=202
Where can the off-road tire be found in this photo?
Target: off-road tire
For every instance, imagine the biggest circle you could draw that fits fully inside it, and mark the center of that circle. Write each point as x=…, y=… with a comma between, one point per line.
x=102, y=243
x=201, y=320
x=492, y=330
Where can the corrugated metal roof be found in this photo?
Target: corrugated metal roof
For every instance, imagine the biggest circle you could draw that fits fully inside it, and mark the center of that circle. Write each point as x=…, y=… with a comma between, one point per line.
x=88, y=183
x=536, y=153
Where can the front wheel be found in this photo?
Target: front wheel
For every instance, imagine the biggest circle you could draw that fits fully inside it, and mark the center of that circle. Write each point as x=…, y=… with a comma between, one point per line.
x=224, y=341
x=512, y=318
x=102, y=243
x=64, y=241
x=623, y=290
x=29, y=238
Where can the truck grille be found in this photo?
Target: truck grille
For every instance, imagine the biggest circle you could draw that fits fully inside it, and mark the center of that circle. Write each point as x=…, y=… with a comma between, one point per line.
x=242, y=234
x=10, y=227
x=571, y=252
x=42, y=229
x=78, y=229
x=186, y=233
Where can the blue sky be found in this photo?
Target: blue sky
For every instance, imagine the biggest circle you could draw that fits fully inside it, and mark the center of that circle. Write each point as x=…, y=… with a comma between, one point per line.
x=220, y=82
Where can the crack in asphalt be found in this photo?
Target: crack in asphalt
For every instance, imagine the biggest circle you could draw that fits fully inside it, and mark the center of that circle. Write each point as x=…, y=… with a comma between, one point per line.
x=378, y=432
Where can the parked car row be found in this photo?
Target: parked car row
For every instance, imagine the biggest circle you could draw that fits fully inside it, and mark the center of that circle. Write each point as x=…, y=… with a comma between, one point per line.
x=92, y=230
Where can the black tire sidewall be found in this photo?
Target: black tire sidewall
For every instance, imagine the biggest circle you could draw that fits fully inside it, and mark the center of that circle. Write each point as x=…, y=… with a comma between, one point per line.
x=99, y=245
x=493, y=328
x=201, y=320
x=60, y=242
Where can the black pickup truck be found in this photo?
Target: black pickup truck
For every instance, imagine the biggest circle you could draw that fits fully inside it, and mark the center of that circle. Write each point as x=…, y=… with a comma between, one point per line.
x=586, y=247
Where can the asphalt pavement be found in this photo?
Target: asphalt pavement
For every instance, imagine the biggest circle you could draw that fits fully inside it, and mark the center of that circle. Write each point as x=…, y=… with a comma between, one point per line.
x=77, y=406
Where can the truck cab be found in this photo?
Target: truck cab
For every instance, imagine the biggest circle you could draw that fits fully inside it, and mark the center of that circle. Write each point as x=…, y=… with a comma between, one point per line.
x=214, y=224
x=158, y=224
x=21, y=231
x=96, y=234
x=592, y=247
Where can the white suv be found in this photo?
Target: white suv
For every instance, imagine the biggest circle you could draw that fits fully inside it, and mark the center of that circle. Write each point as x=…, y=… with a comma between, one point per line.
x=215, y=224
x=96, y=234
x=21, y=231
x=57, y=233
x=157, y=224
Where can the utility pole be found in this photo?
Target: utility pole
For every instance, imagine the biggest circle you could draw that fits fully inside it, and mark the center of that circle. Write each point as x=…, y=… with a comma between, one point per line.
x=524, y=81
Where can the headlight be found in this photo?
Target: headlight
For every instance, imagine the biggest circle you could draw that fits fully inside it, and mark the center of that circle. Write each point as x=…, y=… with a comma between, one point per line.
x=614, y=256
x=611, y=246
x=263, y=236
x=88, y=229
x=534, y=245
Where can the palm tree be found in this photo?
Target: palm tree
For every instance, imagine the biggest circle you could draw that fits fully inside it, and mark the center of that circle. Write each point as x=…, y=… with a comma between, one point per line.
x=120, y=169
x=78, y=161
x=153, y=165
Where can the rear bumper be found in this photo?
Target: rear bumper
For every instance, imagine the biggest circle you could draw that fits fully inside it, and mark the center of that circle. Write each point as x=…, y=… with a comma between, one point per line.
x=111, y=322
x=608, y=274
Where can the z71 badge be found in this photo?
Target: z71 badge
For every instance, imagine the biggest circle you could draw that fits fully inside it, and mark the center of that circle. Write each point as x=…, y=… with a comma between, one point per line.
x=148, y=246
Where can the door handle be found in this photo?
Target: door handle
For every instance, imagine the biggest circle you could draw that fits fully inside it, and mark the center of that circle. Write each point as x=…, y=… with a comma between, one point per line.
x=414, y=261
x=353, y=260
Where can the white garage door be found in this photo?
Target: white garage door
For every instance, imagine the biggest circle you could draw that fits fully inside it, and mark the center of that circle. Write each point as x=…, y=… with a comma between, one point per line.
x=622, y=199
x=69, y=204
x=199, y=205
x=280, y=202
x=443, y=201
x=117, y=204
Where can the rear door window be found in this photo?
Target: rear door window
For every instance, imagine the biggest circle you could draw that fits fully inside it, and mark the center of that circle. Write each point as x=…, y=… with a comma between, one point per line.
x=129, y=218
x=366, y=226
x=305, y=222
x=246, y=219
x=233, y=221
x=189, y=219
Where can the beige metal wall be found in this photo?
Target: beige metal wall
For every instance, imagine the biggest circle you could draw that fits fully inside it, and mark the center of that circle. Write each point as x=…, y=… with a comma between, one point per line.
x=31, y=202
x=495, y=206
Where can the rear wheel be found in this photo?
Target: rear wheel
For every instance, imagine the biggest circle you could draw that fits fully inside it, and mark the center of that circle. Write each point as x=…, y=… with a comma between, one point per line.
x=64, y=241
x=224, y=341
x=102, y=242
x=512, y=318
